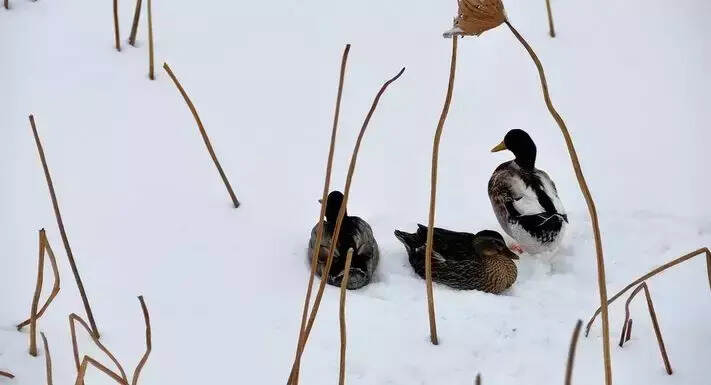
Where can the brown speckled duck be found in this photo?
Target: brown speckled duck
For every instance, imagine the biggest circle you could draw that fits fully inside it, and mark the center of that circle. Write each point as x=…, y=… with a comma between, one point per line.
x=463, y=260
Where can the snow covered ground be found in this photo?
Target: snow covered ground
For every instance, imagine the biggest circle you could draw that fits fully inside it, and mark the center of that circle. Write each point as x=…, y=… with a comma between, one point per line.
x=146, y=212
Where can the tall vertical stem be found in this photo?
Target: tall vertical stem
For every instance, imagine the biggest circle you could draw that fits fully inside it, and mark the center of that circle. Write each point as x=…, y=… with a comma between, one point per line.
x=36, y=297
x=433, y=194
x=151, y=73
x=602, y=285
x=551, y=28
x=116, y=27
x=342, y=316
x=62, y=231
x=134, y=26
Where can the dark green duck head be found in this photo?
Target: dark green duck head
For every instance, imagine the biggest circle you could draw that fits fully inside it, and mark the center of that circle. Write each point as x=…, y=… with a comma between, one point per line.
x=522, y=146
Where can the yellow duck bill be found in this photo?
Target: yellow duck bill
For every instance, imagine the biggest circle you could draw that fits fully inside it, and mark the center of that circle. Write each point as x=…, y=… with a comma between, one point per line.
x=500, y=147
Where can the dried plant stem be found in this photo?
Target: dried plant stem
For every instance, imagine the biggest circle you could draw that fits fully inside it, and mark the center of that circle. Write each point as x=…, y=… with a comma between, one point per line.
x=147, y=319
x=134, y=26
x=652, y=273
x=571, y=353
x=151, y=72
x=7, y=6
x=73, y=319
x=629, y=330
x=342, y=316
x=47, y=359
x=433, y=194
x=35, y=299
x=6, y=374
x=655, y=323
x=337, y=229
x=602, y=285
x=44, y=246
x=62, y=231
x=478, y=379
x=116, y=27
x=85, y=365
x=326, y=186
x=191, y=106
x=551, y=28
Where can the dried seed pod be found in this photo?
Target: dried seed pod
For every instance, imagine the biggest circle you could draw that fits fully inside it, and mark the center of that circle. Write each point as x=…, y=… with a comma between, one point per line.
x=476, y=17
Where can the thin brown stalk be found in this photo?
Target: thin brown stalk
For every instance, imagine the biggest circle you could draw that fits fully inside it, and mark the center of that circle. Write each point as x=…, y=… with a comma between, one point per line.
x=6, y=374
x=85, y=365
x=342, y=317
x=151, y=72
x=147, y=319
x=478, y=379
x=339, y=221
x=433, y=195
x=134, y=26
x=116, y=27
x=35, y=298
x=652, y=273
x=655, y=323
x=326, y=187
x=629, y=331
x=551, y=28
x=191, y=106
x=47, y=359
x=602, y=285
x=571, y=353
x=73, y=319
x=62, y=231
x=55, y=288
x=7, y=6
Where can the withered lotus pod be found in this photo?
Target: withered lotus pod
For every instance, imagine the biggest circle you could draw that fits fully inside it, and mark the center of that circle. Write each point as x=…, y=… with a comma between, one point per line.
x=476, y=17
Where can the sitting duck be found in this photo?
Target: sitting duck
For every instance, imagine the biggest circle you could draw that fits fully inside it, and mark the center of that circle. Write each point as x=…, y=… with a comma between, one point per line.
x=356, y=234
x=463, y=260
x=525, y=199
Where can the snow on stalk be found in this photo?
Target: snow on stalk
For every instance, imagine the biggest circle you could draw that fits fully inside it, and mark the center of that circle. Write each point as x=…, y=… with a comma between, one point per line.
x=205, y=138
x=294, y=376
x=293, y=379
x=62, y=231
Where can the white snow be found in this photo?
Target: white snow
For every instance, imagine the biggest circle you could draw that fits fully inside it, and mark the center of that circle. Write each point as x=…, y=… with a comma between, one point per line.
x=147, y=214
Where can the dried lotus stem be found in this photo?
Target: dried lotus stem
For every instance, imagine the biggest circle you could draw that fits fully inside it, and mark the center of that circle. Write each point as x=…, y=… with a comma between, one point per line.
x=47, y=359
x=342, y=316
x=571, y=353
x=551, y=28
x=6, y=374
x=73, y=319
x=134, y=26
x=55, y=288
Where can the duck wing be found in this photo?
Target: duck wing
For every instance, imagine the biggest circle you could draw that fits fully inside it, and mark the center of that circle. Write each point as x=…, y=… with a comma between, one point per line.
x=450, y=245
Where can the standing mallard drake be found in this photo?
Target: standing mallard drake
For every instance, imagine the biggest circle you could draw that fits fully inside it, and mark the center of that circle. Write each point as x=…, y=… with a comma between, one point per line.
x=463, y=260
x=525, y=199
x=356, y=234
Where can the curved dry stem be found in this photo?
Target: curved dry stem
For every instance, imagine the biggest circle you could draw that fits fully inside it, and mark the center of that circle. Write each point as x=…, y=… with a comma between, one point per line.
x=322, y=213
x=62, y=231
x=342, y=317
x=205, y=138
x=571, y=353
x=35, y=298
x=602, y=285
x=339, y=221
x=433, y=194
x=85, y=365
x=55, y=288
x=73, y=319
x=652, y=273
x=627, y=330
x=147, y=319
x=47, y=359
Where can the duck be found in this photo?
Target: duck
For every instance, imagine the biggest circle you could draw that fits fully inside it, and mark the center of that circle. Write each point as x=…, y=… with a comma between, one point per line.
x=355, y=233
x=525, y=199
x=461, y=260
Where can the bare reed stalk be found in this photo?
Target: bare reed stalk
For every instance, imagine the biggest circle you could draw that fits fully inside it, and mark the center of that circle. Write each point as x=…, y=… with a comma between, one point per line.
x=73, y=319
x=342, y=317
x=602, y=285
x=478, y=379
x=339, y=222
x=6, y=374
x=326, y=187
x=571, y=353
x=149, y=345
x=55, y=289
x=551, y=28
x=191, y=106
x=85, y=365
x=151, y=72
x=35, y=299
x=47, y=359
x=7, y=6
x=116, y=27
x=134, y=26
x=628, y=332
x=62, y=231
x=652, y=273
x=433, y=195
